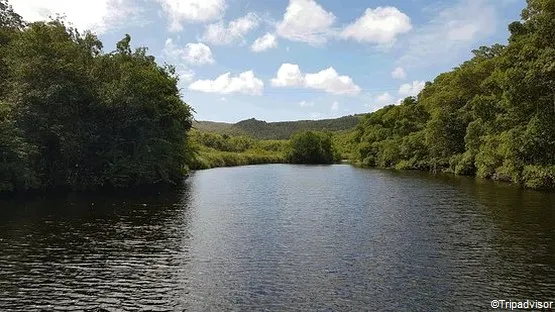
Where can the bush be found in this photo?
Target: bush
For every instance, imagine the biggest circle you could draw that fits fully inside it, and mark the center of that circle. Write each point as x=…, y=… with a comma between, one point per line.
x=539, y=177
x=207, y=159
x=312, y=147
x=462, y=164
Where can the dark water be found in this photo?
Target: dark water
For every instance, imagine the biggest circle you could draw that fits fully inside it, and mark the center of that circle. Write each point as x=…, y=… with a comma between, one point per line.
x=280, y=237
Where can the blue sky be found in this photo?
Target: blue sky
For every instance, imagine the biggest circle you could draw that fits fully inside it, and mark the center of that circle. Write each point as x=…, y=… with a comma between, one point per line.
x=293, y=59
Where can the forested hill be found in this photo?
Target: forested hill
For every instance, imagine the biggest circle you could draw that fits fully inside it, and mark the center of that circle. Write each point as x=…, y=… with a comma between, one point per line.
x=277, y=130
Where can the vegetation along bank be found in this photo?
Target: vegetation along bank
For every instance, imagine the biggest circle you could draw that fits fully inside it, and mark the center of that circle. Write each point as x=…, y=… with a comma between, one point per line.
x=73, y=116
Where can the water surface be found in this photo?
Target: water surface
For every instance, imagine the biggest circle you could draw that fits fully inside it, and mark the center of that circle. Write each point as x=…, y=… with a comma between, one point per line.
x=282, y=238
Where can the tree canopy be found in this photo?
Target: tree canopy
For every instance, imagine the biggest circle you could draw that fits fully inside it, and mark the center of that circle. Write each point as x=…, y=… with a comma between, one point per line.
x=312, y=147
x=73, y=116
x=493, y=116
x=282, y=130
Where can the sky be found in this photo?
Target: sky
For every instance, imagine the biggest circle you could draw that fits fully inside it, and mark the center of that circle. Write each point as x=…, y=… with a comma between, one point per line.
x=280, y=60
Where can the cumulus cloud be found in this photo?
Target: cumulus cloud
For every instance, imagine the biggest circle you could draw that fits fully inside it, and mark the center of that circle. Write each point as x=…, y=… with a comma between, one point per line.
x=198, y=54
x=306, y=21
x=222, y=34
x=328, y=80
x=245, y=83
x=455, y=30
x=384, y=99
x=306, y=104
x=399, y=73
x=175, y=55
x=185, y=74
x=172, y=51
x=411, y=89
x=381, y=26
x=192, y=53
x=289, y=75
x=268, y=41
x=195, y=11
x=98, y=16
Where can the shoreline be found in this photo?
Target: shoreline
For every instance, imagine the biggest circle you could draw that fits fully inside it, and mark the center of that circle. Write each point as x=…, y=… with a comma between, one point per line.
x=160, y=187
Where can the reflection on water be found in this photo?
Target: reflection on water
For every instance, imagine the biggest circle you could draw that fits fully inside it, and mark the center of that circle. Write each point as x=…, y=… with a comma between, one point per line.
x=280, y=237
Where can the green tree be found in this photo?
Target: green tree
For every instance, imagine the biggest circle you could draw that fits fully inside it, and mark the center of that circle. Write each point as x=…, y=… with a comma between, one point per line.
x=493, y=116
x=311, y=147
x=74, y=117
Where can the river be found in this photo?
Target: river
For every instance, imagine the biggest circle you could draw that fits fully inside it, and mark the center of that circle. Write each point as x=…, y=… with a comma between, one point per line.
x=282, y=238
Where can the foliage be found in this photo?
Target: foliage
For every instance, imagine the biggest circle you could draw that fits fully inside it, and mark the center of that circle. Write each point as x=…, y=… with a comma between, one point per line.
x=215, y=127
x=215, y=150
x=344, y=143
x=74, y=117
x=277, y=130
x=311, y=147
x=207, y=159
x=493, y=116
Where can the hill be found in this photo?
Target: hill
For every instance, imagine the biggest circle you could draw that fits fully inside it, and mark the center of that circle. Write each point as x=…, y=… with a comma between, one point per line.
x=212, y=126
x=277, y=130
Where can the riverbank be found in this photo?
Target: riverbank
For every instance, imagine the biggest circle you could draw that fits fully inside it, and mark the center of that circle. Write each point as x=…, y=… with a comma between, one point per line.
x=207, y=159
x=533, y=178
x=212, y=150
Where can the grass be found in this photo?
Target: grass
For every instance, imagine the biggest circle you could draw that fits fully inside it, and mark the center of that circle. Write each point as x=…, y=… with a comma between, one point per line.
x=208, y=158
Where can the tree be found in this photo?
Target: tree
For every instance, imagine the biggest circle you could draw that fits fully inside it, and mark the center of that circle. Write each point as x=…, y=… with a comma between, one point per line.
x=74, y=117
x=8, y=18
x=493, y=116
x=311, y=147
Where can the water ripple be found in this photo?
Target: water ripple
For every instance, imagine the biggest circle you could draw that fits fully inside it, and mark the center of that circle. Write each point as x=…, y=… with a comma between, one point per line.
x=282, y=238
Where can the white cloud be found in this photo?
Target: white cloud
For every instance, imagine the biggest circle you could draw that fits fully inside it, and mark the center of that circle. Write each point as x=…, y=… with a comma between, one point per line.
x=221, y=34
x=411, y=89
x=455, y=30
x=198, y=54
x=175, y=55
x=384, y=99
x=306, y=104
x=381, y=25
x=306, y=21
x=196, y=11
x=268, y=41
x=245, y=83
x=334, y=106
x=193, y=53
x=223, y=99
x=399, y=73
x=98, y=15
x=330, y=81
x=290, y=75
x=185, y=74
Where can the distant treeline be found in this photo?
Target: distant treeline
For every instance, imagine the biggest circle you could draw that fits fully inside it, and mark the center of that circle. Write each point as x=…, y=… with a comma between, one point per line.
x=75, y=117
x=216, y=150
x=493, y=116
x=277, y=130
